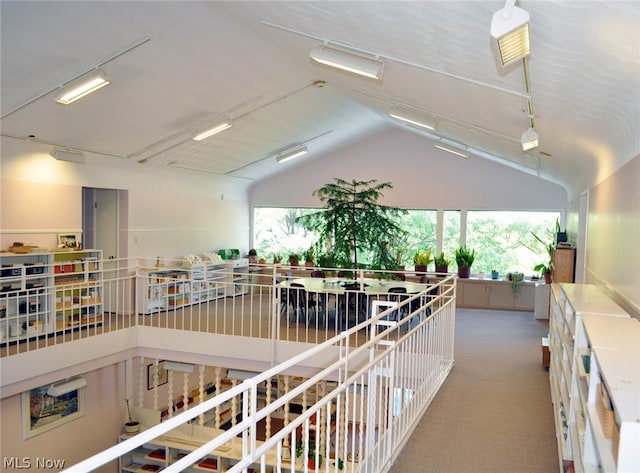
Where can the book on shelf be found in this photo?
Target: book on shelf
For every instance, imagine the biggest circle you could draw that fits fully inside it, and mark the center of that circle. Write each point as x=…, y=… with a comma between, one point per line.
x=158, y=453
x=209, y=464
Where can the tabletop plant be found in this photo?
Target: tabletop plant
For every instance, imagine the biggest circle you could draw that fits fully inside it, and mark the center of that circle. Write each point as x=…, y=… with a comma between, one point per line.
x=442, y=263
x=464, y=259
x=354, y=225
x=422, y=259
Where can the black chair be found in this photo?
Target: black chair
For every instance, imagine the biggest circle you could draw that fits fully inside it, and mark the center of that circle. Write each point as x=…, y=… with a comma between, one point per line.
x=398, y=294
x=298, y=301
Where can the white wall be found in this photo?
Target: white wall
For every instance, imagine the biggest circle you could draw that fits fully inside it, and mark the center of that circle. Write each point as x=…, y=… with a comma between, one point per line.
x=76, y=440
x=169, y=213
x=423, y=177
x=613, y=235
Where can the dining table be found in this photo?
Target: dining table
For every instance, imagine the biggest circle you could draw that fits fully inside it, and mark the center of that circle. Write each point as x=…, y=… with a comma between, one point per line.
x=347, y=300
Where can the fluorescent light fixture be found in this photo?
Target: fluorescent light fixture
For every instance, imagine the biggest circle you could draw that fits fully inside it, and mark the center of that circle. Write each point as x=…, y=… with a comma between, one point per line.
x=510, y=27
x=81, y=87
x=453, y=148
x=70, y=155
x=67, y=386
x=529, y=139
x=413, y=117
x=349, y=61
x=211, y=130
x=291, y=153
x=177, y=366
x=241, y=374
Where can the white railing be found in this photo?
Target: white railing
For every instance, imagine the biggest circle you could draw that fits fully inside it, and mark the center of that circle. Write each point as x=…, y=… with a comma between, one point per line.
x=356, y=414
x=131, y=292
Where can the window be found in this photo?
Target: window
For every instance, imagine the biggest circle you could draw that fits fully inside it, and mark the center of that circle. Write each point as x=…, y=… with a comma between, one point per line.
x=451, y=236
x=503, y=240
x=277, y=233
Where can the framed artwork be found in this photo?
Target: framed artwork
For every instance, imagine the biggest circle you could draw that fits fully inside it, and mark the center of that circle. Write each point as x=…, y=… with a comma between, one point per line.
x=151, y=372
x=68, y=240
x=41, y=412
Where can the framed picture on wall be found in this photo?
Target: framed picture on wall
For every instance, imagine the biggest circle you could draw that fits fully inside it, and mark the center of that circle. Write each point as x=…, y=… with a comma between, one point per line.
x=151, y=373
x=42, y=412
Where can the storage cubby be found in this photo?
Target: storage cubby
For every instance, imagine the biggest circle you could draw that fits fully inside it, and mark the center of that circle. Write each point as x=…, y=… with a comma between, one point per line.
x=24, y=301
x=595, y=380
x=42, y=293
x=78, y=288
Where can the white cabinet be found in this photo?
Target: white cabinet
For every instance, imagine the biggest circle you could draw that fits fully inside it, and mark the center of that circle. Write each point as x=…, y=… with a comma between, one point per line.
x=237, y=271
x=595, y=380
x=492, y=294
x=542, y=295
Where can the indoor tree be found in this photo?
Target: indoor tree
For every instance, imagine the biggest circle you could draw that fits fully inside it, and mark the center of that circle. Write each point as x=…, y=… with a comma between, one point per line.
x=353, y=225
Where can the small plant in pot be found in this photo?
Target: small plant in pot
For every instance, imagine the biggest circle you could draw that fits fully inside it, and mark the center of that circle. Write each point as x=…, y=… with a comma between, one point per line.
x=464, y=259
x=294, y=259
x=311, y=455
x=545, y=271
x=442, y=263
x=421, y=260
x=309, y=257
x=131, y=426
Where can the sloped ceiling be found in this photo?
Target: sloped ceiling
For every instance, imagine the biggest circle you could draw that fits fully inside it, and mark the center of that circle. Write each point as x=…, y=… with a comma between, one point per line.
x=175, y=66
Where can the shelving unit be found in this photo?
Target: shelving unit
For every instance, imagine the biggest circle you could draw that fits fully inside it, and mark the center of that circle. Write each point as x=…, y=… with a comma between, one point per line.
x=24, y=302
x=166, y=450
x=43, y=293
x=594, y=349
x=78, y=288
x=237, y=278
x=173, y=288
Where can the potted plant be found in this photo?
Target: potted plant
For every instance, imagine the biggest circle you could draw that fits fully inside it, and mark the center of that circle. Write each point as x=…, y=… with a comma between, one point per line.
x=353, y=222
x=495, y=274
x=309, y=256
x=131, y=426
x=294, y=259
x=442, y=263
x=253, y=256
x=545, y=270
x=516, y=279
x=311, y=456
x=277, y=258
x=421, y=260
x=464, y=259
x=561, y=236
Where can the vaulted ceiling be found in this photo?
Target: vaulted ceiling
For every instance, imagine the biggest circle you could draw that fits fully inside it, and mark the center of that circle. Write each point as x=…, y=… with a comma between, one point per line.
x=175, y=66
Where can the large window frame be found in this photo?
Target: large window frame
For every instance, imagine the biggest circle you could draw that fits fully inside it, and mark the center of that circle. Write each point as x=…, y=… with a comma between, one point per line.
x=438, y=230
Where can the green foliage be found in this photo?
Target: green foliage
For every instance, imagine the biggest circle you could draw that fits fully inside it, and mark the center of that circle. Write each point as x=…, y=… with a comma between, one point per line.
x=465, y=257
x=353, y=226
x=441, y=260
x=422, y=258
x=309, y=255
x=547, y=266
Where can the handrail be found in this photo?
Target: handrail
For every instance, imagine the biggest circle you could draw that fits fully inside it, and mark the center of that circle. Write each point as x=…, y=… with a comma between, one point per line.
x=379, y=348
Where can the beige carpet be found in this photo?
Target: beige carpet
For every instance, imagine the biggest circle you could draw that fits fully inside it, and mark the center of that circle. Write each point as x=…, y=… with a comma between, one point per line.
x=493, y=414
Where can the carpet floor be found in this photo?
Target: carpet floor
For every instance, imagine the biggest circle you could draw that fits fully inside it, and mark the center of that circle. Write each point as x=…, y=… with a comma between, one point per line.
x=494, y=413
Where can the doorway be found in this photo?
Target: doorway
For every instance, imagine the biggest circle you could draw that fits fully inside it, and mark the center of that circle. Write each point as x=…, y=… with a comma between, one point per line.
x=104, y=227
